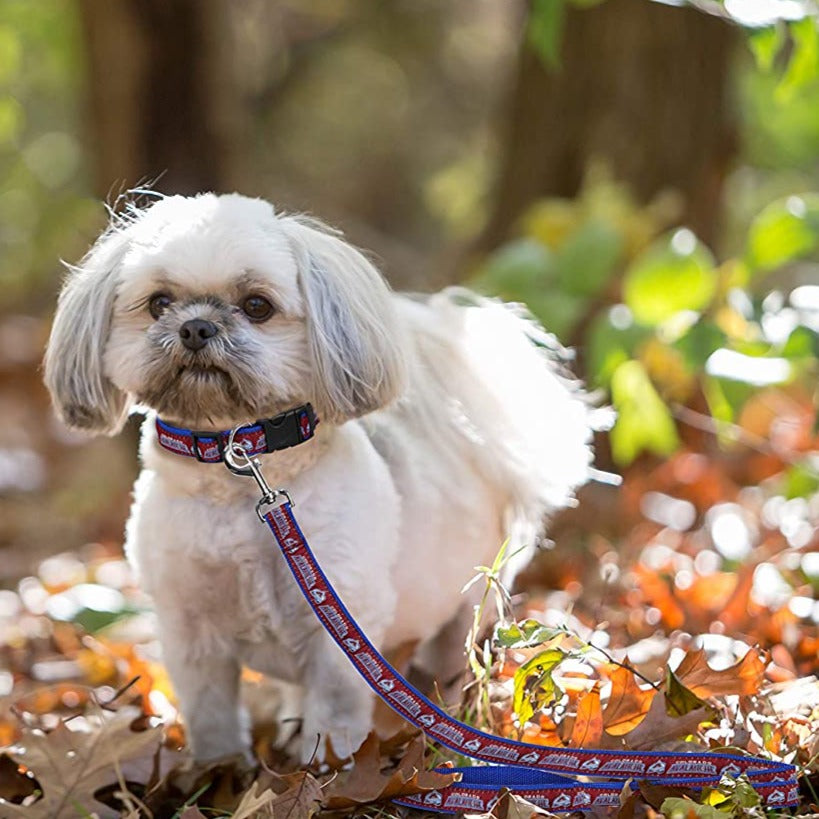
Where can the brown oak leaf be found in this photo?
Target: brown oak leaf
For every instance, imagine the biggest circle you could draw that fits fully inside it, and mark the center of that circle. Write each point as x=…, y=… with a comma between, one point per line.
x=366, y=783
x=628, y=703
x=743, y=678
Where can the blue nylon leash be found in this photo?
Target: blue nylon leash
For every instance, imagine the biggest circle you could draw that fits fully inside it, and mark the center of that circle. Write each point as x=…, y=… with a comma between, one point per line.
x=534, y=772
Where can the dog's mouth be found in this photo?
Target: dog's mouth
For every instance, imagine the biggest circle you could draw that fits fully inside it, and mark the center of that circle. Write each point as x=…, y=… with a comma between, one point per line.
x=202, y=371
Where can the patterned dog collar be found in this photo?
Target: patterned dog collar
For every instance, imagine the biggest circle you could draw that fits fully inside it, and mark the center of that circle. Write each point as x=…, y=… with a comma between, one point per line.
x=265, y=435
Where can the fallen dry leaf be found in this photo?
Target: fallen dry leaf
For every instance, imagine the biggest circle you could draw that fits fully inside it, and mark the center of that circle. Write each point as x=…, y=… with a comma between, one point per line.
x=588, y=725
x=70, y=765
x=628, y=703
x=744, y=678
x=660, y=727
x=300, y=799
x=511, y=806
x=366, y=783
x=192, y=812
x=679, y=699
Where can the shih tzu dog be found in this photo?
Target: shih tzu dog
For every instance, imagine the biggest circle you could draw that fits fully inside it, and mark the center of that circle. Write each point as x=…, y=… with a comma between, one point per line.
x=446, y=427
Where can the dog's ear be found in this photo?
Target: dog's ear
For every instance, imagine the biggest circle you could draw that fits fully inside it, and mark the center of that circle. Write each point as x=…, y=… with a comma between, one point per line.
x=82, y=394
x=356, y=343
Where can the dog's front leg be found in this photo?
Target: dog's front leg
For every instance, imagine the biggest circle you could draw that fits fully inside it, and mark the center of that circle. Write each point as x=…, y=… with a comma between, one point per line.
x=206, y=683
x=338, y=704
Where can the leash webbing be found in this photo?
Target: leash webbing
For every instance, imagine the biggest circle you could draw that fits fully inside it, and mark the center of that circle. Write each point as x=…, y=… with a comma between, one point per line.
x=531, y=771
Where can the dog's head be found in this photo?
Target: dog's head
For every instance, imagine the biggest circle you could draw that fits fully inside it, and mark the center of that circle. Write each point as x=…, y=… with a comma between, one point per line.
x=215, y=309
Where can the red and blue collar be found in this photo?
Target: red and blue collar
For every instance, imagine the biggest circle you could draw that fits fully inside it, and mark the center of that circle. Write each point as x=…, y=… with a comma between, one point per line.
x=265, y=435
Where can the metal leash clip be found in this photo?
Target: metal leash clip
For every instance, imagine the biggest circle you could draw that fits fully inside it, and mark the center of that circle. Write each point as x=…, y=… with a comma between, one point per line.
x=240, y=463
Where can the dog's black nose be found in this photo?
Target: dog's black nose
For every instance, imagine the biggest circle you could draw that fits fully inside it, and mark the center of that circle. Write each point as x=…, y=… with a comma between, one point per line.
x=196, y=332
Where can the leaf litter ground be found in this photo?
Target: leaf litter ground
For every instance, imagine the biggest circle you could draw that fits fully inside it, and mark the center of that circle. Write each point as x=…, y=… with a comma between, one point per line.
x=655, y=640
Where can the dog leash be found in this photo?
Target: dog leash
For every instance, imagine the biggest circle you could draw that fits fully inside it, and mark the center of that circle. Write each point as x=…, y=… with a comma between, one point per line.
x=542, y=775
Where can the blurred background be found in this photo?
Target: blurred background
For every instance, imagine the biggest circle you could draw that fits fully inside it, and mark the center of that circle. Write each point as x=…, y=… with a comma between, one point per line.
x=640, y=173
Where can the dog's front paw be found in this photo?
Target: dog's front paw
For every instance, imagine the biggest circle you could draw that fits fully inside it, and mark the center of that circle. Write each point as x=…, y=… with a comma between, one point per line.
x=331, y=735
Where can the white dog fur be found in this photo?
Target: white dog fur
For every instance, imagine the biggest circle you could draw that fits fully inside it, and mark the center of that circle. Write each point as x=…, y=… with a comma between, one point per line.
x=445, y=427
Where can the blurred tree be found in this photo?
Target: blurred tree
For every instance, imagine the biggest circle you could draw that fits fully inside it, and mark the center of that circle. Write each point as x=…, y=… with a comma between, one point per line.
x=639, y=84
x=162, y=94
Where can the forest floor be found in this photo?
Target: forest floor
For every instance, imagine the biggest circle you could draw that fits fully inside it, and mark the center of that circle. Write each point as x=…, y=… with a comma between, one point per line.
x=680, y=610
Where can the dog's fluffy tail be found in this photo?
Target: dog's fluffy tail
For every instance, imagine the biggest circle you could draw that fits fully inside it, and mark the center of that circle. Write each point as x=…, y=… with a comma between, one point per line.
x=531, y=419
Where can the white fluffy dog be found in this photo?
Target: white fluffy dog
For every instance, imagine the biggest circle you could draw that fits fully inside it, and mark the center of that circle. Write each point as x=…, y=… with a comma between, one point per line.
x=445, y=427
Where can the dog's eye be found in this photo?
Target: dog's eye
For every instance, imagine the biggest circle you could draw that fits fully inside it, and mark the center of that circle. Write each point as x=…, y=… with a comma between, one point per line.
x=257, y=308
x=158, y=304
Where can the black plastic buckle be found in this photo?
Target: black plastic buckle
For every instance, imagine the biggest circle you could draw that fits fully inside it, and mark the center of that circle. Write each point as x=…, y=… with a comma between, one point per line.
x=210, y=436
x=285, y=430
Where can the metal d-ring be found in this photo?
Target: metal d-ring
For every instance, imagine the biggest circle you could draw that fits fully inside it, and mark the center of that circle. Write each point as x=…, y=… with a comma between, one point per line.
x=234, y=451
x=239, y=462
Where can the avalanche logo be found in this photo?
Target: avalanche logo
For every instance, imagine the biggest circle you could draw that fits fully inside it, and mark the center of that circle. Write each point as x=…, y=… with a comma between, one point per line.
x=304, y=426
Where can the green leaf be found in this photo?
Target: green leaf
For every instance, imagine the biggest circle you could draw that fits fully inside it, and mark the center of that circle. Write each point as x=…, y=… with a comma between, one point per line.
x=800, y=481
x=785, y=230
x=802, y=343
x=675, y=273
x=545, y=31
x=587, y=259
x=526, y=634
x=557, y=311
x=518, y=270
x=608, y=346
x=12, y=118
x=680, y=807
x=744, y=795
x=719, y=406
x=533, y=684
x=731, y=394
x=765, y=44
x=679, y=699
x=93, y=621
x=803, y=66
x=699, y=341
x=10, y=54
x=644, y=422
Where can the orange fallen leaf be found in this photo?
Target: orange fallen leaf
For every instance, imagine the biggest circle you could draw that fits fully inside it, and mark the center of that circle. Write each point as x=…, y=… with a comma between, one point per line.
x=366, y=783
x=588, y=724
x=628, y=703
x=744, y=678
x=660, y=727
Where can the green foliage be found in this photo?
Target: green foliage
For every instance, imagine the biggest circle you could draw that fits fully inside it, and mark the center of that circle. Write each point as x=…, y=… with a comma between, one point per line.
x=644, y=423
x=785, y=230
x=779, y=95
x=534, y=684
x=545, y=30
x=544, y=33
x=676, y=273
x=660, y=322
x=803, y=65
x=42, y=207
x=525, y=634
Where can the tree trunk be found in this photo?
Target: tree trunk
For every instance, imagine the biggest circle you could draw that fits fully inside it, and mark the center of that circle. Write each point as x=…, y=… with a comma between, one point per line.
x=642, y=85
x=162, y=101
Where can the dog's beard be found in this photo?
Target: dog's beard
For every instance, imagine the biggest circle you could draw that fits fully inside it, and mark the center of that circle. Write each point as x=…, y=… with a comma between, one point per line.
x=219, y=381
